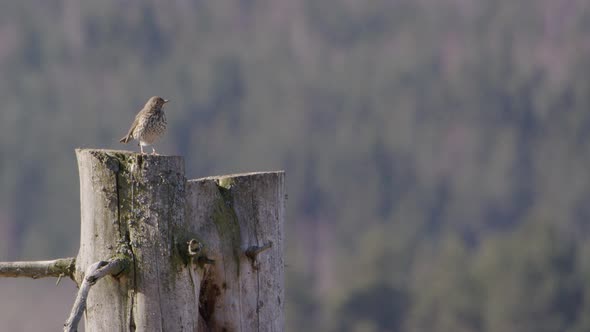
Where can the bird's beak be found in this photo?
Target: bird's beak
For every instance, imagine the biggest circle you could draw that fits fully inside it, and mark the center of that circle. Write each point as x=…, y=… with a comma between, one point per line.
x=166, y=100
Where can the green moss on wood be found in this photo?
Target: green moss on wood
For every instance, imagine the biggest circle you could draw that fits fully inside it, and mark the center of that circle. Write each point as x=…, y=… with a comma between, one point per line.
x=126, y=262
x=67, y=266
x=226, y=222
x=225, y=182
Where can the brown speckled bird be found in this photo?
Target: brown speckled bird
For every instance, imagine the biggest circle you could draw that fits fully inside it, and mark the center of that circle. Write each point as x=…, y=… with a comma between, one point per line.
x=149, y=124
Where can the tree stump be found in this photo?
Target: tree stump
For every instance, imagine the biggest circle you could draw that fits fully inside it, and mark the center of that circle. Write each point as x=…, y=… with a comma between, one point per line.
x=241, y=216
x=205, y=254
x=134, y=205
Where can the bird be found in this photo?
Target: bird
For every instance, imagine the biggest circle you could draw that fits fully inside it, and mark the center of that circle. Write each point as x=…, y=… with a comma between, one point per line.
x=149, y=124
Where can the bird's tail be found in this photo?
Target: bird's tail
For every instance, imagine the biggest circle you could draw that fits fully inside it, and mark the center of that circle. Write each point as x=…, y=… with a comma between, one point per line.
x=125, y=139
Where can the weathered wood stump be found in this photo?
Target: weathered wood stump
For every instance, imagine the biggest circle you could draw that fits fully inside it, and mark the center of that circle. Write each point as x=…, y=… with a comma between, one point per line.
x=204, y=254
x=241, y=216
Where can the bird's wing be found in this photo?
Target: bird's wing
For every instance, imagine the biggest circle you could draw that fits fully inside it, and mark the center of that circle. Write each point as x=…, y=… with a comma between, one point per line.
x=127, y=137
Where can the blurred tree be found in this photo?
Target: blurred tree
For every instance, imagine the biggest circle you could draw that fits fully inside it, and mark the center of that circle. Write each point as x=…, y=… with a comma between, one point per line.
x=532, y=280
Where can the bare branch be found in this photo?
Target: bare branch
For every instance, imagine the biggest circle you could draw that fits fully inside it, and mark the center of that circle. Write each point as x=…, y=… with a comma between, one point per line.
x=94, y=272
x=253, y=251
x=39, y=269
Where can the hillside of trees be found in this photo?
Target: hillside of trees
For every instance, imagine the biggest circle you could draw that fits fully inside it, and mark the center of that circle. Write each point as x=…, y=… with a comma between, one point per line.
x=437, y=151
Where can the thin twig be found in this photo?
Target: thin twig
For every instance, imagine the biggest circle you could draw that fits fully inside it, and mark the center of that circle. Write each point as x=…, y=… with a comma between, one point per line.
x=39, y=269
x=93, y=273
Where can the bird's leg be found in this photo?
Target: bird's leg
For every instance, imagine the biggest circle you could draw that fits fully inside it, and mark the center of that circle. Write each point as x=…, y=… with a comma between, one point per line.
x=154, y=151
x=141, y=148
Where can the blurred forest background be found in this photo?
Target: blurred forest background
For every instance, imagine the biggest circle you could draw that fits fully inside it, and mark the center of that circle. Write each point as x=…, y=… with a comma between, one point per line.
x=436, y=151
